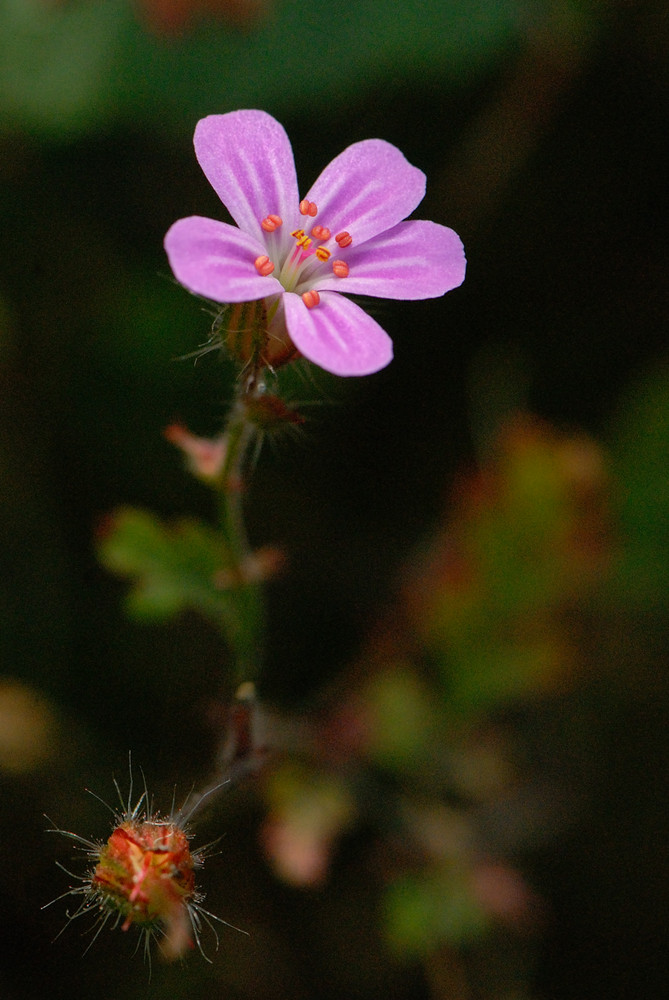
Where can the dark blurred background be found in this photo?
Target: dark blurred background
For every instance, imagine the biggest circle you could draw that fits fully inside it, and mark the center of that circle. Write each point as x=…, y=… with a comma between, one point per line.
x=542, y=129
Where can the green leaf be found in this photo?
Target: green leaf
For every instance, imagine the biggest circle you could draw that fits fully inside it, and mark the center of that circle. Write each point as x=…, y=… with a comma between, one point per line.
x=172, y=567
x=315, y=56
x=401, y=719
x=641, y=467
x=55, y=62
x=527, y=545
x=422, y=912
x=74, y=65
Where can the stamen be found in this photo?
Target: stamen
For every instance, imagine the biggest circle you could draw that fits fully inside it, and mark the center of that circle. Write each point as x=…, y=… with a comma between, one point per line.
x=321, y=233
x=271, y=222
x=308, y=208
x=340, y=268
x=263, y=265
x=323, y=253
x=343, y=239
x=311, y=299
x=302, y=239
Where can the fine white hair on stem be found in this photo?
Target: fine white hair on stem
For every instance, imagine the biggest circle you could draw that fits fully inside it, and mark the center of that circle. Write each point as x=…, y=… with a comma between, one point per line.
x=183, y=818
x=198, y=914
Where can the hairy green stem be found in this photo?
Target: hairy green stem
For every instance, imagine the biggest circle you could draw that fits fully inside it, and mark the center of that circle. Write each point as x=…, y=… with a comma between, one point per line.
x=246, y=628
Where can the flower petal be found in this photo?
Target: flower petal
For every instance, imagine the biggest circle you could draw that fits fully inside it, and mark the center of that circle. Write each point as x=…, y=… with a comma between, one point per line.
x=214, y=259
x=248, y=160
x=337, y=335
x=414, y=260
x=367, y=189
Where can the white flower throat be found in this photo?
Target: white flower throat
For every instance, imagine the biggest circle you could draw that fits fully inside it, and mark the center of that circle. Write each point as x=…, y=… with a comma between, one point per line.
x=304, y=262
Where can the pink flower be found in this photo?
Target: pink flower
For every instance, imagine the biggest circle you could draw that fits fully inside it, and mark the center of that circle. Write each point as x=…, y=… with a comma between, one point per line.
x=345, y=236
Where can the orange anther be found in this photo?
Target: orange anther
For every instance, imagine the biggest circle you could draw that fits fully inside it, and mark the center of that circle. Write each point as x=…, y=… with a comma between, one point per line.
x=311, y=299
x=271, y=222
x=323, y=253
x=343, y=239
x=321, y=233
x=340, y=268
x=264, y=265
x=308, y=208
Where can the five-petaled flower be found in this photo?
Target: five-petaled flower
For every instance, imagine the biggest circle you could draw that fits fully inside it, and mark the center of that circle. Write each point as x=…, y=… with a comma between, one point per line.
x=346, y=235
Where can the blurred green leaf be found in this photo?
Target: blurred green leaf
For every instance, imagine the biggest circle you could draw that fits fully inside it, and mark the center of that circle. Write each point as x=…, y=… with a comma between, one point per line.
x=401, y=719
x=172, y=567
x=422, y=912
x=641, y=464
x=68, y=66
x=497, y=665
x=528, y=543
x=56, y=62
x=182, y=566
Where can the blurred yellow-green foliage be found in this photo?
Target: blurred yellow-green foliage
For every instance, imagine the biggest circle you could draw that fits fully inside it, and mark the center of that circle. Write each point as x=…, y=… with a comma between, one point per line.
x=466, y=659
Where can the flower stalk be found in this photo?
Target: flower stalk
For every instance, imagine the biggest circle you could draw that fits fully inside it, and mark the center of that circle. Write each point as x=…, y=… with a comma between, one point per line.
x=245, y=585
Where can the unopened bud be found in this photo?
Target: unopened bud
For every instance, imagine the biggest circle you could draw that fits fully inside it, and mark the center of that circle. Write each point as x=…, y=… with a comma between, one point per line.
x=205, y=456
x=244, y=330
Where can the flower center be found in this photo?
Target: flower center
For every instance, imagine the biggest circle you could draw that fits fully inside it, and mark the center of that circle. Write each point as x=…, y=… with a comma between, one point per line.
x=311, y=248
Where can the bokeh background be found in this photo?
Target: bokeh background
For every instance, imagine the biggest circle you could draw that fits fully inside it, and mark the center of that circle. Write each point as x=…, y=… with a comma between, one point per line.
x=523, y=426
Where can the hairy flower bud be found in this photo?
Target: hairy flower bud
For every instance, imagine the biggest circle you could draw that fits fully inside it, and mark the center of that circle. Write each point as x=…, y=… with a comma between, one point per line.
x=143, y=876
x=145, y=872
x=243, y=327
